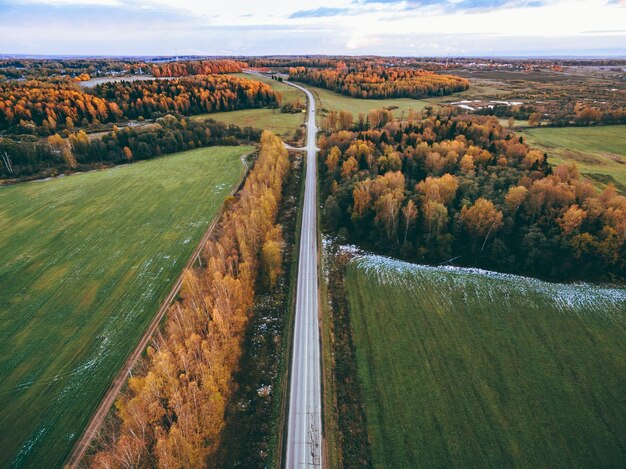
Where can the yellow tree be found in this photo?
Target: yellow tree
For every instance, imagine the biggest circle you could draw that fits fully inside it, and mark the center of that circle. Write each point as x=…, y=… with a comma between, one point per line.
x=349, y=167
x=442, y=189
x=510, y=122
x=62, y=147
x=387, y=211
x=534, y=119
x=128, y=154
x=515, y=197
x=332, y=160
x=361, y=195
x=467, y=163
x=435, y=217
x=345, y=120
x=271, y=257
x=409, y=213
x=572, y=220
x=481, y=219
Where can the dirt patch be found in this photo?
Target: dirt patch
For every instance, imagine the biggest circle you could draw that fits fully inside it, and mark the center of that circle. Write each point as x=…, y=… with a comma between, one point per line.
x=585, y=158
x=614, y=157
x=89, y=294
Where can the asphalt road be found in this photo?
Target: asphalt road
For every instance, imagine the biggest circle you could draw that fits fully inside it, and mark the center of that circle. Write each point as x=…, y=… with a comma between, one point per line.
x=304, y=421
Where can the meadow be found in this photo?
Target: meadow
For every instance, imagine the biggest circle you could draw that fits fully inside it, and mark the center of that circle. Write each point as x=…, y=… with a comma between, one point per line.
x=599, y=152
x=467, y=368
x=284, y=124
x=280, y=123
x=85, y=262
x=331, y=101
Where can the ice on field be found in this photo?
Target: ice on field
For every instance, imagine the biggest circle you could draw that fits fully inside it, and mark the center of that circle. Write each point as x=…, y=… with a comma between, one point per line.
x=491, y=288
x=220, y=188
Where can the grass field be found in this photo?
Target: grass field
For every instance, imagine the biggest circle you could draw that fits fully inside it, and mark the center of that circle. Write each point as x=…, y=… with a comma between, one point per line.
x=279, y=123
x=85, y=262
x=599, y=152
x=464, y=368
x=479, y=89
x=331, y=101
x=289, y=93
x=282, y=124
x=285, y=124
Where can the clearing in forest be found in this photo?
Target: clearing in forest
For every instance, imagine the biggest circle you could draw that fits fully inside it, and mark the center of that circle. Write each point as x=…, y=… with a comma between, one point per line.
x=331, y=101
x=599, y=151
x=280, y=123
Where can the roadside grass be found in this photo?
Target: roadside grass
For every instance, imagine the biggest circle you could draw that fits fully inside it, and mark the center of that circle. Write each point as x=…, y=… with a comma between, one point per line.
x=329, y=392
x=85, y=262
x=599, y=152
x=462, y=368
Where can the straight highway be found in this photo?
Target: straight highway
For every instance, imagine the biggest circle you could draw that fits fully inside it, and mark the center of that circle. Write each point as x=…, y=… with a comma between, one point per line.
x=304, y=421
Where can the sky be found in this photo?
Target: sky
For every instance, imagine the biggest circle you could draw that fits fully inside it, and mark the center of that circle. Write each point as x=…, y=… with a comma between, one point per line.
x=353, y=27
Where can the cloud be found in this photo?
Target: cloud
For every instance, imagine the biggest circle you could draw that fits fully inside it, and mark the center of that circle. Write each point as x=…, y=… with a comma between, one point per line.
x=494, y=4
x=383, y=27
x=408, y=2
x=319, y=12
x=454, y=5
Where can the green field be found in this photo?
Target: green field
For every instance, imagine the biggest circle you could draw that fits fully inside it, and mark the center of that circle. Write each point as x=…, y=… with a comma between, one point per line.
x=279, y=123
x=599, y=152
x=282, y=124
x=479, y=89
x=289, y=93
x=466, y=368
x=85, y=262
x=331, y=101
x=285, y=124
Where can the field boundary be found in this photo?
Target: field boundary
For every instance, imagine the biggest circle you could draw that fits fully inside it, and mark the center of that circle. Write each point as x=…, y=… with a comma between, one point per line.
x=82, y=444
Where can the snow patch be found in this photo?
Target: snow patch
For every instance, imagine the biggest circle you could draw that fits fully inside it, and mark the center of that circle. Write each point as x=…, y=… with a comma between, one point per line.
x=490, y=287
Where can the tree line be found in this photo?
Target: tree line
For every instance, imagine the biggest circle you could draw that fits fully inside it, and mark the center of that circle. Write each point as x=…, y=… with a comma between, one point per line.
x=42, y=158
x=172, y=412
x=42, y=108
x=192, y=95
x=567, y=114
x=196, y=67
x=381, y=82
x=283, y=63
x=466, y=191
x=47, y=68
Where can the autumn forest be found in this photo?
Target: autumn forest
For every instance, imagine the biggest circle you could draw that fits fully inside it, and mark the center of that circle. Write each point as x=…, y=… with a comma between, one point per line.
x=195, y=237
x=465, y=190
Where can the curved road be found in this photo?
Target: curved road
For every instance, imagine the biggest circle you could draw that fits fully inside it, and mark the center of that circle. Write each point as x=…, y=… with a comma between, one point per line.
x=304, y=422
